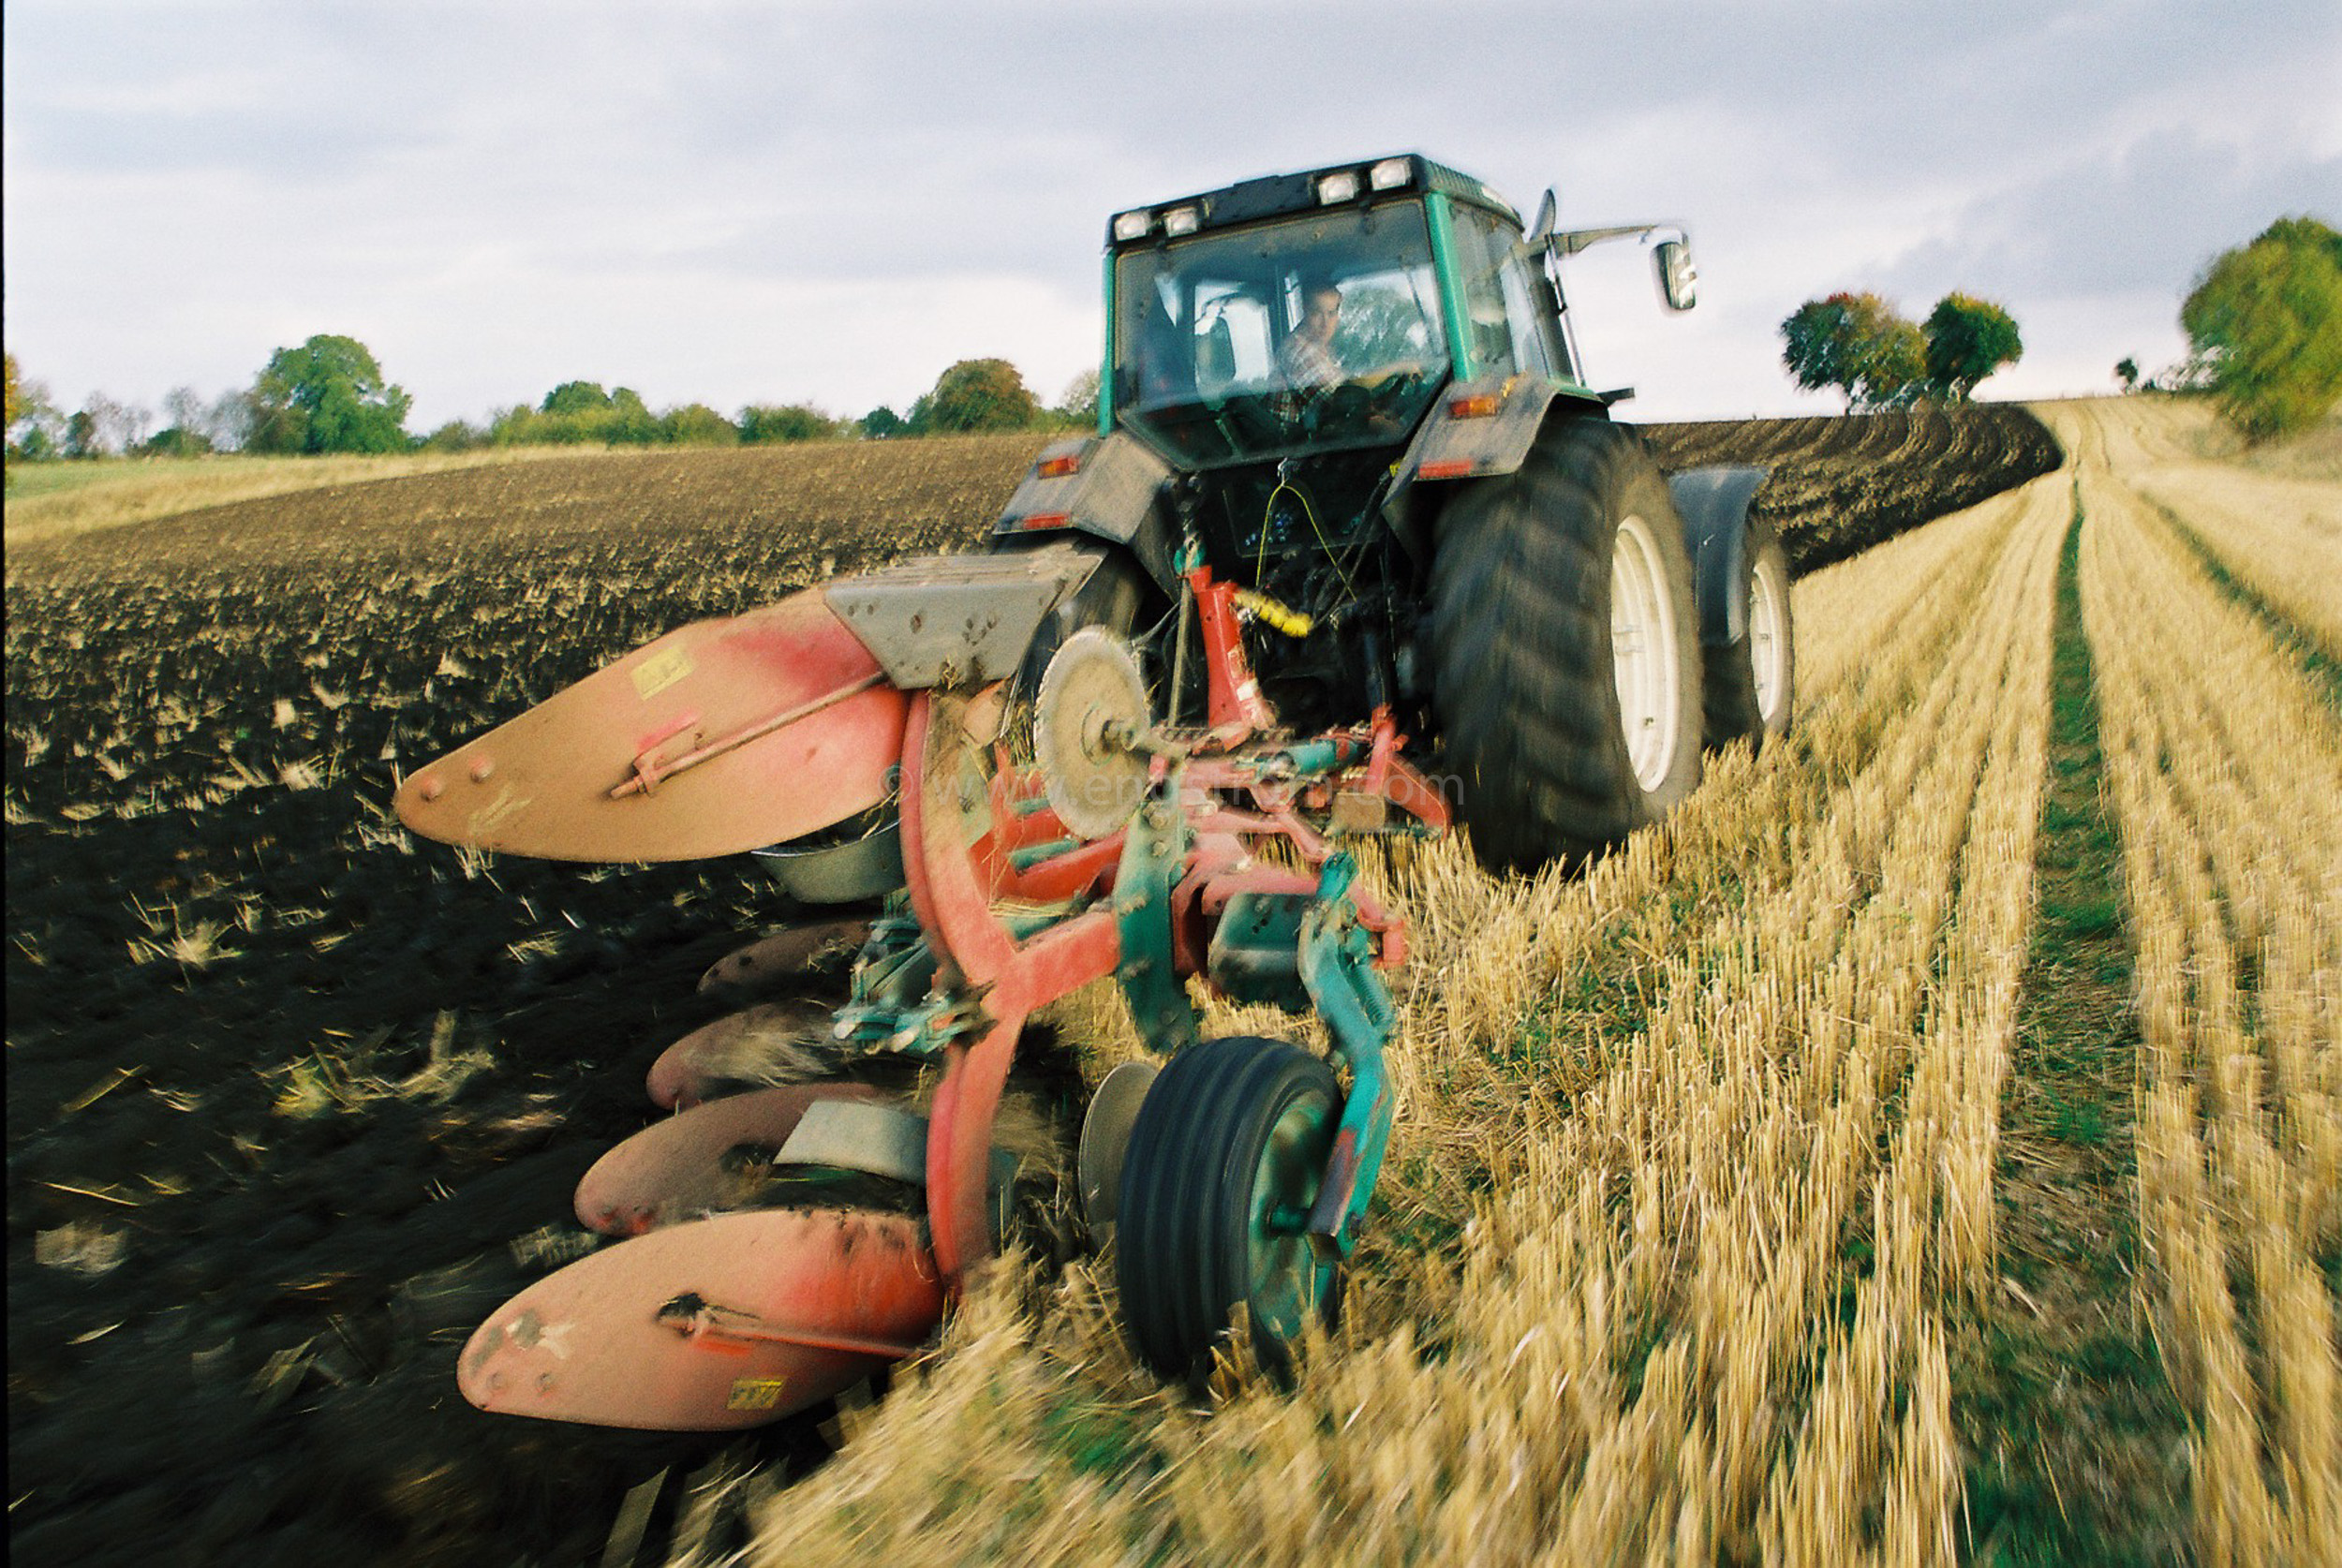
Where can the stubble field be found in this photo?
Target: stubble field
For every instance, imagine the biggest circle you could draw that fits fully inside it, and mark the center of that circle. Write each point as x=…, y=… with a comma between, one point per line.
x=1924, y=1146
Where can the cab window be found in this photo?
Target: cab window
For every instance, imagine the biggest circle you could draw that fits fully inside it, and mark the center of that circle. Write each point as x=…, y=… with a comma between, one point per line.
x=1206, y=329
x=1509, y=332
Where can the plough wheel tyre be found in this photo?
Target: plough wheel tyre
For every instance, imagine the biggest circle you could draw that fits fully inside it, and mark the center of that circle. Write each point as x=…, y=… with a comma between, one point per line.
x=1565, y=649
x=1223, y=1165
x=1752, y=684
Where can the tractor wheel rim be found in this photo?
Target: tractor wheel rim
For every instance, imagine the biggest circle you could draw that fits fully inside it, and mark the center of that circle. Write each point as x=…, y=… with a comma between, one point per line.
x=1768, y=649
x=1286, y=1281
x=1643, y=654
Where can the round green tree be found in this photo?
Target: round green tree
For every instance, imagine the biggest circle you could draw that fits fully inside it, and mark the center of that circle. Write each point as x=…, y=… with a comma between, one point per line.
x=575, y=397
x=1857, y=343
x=2266, y=320
x=1967, y=339
x=978, y=395
x=327, y=395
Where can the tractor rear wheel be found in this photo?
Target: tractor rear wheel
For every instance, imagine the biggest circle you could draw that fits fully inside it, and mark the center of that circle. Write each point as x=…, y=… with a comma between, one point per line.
x=1566, y=675
x=1752, y=682
x=1111, y=599
x=1223, y=1165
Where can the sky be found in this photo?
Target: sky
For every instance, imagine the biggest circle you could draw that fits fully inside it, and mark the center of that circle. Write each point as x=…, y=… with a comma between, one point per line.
x=803, y=201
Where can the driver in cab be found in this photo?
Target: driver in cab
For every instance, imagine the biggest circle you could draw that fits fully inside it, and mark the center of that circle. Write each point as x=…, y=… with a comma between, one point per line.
x=1306, y=358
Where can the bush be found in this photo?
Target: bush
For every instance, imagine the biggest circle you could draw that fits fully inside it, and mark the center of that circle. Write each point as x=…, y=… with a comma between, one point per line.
x=455, y=435
x=174, y=441
x=632, y=422
x=788, y=421
x=523, y=426
x=578, y=413
x=695, y=424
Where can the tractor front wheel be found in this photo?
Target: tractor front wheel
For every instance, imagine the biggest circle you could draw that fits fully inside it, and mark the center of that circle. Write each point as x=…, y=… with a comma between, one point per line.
x=1223, y=1165
x=1567, y=674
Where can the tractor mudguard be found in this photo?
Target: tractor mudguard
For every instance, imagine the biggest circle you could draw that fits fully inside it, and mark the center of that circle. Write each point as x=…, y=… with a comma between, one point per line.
x=1714, y=505
x=1104, y=486
x=1477, y=430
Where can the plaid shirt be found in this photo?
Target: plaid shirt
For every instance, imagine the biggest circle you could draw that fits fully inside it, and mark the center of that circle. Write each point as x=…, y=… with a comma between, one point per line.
x=1306, y=363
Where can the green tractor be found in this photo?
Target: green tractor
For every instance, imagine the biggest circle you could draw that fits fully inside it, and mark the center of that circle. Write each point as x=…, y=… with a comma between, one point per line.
x=1355, y=393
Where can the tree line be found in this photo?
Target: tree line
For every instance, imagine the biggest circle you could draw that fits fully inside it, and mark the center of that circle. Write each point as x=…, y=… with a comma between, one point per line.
x=2263, y=323
x=328, y=395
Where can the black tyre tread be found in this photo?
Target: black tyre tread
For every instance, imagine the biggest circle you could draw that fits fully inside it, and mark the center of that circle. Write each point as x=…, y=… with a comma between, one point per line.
x=1729, y=710
x=1523, y=675
x=1155, y=1182
x=1183, y=1286
x=1190, y=1160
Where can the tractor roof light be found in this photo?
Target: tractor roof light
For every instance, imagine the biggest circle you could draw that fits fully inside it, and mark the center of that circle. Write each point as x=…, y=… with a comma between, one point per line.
x=1336, y=187
x=1390, y=174
x=1181, y=220
x=1132, y=226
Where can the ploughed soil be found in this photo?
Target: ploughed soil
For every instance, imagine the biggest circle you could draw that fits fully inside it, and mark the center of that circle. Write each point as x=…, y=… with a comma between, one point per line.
x=295, y=1101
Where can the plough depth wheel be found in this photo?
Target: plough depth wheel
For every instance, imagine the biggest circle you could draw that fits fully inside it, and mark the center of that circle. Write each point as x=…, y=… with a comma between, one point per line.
x=1222, y=1169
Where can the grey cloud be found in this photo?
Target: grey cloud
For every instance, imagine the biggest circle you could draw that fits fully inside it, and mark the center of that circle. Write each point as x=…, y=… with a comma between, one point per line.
x=2147, y=217
x=620, y=152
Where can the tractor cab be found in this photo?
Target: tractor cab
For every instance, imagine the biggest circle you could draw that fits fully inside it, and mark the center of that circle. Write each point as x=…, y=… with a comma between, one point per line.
x=1307, y=335
x=1306, y=313
x=1300, y=353
x=1298, y=367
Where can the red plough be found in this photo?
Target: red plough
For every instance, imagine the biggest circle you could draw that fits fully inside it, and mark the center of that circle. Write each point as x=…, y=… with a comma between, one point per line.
x=1132, y=849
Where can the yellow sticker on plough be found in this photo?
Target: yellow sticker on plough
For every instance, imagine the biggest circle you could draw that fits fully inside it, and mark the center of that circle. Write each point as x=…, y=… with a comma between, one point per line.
x=660, y=671
x=755, y=1393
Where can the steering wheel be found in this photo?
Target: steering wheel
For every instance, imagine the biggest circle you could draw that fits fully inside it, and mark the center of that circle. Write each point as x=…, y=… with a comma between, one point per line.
x=1375, y=396
x=1398, y=370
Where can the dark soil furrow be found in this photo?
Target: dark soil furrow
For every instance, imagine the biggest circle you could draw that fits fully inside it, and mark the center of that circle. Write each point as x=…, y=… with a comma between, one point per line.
x=294, y=1099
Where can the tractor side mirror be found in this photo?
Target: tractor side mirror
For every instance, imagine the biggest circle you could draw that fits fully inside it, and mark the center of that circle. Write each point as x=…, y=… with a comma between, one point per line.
x=1679, y=280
